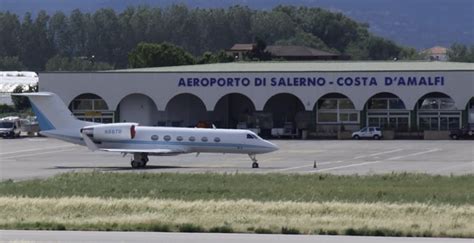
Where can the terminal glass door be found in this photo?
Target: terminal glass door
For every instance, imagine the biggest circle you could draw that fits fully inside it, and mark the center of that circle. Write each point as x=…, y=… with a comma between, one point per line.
x=388, y=113
x=438, y=113
x=471, y=112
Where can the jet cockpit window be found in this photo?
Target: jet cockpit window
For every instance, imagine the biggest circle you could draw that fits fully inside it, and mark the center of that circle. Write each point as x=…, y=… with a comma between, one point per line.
x=167, y=138
x=251, y=136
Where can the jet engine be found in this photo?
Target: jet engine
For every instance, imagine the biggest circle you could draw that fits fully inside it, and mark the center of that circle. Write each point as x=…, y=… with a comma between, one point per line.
x=110, y=132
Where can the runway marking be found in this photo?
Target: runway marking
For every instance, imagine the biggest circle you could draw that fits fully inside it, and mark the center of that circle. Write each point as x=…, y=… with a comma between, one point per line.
x=339, y=161
x=414, y=154
x=304, y=166
x=379, y=153
x=346, y=166
x=304, y=151
x=29, y=155
x=375, y=162
x=37, y=149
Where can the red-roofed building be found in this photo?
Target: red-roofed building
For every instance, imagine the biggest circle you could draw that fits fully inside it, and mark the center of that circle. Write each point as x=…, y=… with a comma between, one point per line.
x=286, y=52
x=437, y=53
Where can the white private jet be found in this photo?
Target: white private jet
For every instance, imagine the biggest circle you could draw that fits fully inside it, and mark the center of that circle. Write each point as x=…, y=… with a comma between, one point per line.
x=55, y=120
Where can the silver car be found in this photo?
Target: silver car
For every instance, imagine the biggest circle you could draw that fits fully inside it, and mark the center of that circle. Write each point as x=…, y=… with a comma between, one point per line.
x=368, y=132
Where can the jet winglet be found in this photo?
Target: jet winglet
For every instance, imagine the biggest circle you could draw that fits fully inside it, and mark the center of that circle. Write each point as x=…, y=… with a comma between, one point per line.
x=89, y=143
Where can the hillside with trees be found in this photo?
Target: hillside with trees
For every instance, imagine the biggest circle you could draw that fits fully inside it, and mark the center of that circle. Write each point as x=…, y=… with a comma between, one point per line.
x=104, y=39
x=417, y=23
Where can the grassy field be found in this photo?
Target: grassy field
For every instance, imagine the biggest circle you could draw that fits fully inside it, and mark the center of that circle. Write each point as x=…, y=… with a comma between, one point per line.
x=82, y=213
x=399, y=188
x=394, y=204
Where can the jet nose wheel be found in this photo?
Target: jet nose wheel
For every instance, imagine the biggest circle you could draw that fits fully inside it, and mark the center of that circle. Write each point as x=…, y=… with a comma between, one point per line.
x=254, y=160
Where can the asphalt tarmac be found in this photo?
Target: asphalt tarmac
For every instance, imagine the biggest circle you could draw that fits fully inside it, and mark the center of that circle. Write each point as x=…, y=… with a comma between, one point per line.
x=93, y=236
x=27, y=158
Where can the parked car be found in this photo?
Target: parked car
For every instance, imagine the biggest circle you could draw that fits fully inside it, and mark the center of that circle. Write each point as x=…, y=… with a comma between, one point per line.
x=368, y=132
x=10, y=127
x=465, y=132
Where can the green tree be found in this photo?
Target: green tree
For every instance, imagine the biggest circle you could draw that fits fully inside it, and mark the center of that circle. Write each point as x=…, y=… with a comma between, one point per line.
x=461, y=53
x=375, y=48
x=10, y=64
x=9, y=34
x=159, y=55
x=60, y=35
x=58, y=63
x=103, y=39
x=111, y=36
x=272, y=26
x=219, y=57
x=22, y=103
x=239, y=24
x=36, y=47
x=79, y=25
x=302, y=38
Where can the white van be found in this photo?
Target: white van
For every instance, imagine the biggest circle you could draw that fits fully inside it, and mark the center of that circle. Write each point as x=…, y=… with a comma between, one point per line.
x=10, y=127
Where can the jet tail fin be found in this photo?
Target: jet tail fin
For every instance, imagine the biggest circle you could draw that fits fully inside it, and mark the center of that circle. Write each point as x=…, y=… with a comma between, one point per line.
x=52, y=113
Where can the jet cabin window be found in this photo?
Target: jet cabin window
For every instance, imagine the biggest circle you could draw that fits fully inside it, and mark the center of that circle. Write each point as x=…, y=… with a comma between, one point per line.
x=204, y=139
x=192, y=139
x=216, y=139
x=251, y=136
x=167, y=138
x=179, y=138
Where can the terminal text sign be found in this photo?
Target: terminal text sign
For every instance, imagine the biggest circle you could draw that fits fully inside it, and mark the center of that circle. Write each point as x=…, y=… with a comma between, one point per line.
x=302, y=81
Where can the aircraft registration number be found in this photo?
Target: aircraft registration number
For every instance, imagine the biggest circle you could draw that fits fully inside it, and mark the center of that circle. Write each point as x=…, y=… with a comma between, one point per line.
x=113, y=131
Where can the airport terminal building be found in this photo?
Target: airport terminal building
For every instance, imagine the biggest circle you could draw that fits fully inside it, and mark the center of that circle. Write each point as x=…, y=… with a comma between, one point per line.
x=279, y=98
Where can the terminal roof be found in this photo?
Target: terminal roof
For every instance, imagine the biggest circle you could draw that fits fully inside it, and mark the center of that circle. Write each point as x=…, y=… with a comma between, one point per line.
x=322, y=66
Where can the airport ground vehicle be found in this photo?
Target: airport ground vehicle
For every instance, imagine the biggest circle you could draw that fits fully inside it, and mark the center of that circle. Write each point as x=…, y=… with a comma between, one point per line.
x=368, y=132
x=465, y=132
x=10, y=127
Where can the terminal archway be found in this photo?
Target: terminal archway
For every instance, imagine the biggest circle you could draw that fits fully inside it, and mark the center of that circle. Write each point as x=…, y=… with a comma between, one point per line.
x=283, y=109
x=234, y=110
x=184, y=110
x=91, y=107
x=437, y=111
x=470, y=112
x=138, y=108
x=388, y=111
x=334, y=112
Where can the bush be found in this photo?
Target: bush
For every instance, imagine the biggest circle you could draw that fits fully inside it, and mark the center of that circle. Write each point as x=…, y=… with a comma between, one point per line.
x=4, y=108
x=263, y=231
x=289, y=231
x=221, y=229
x=188, y=227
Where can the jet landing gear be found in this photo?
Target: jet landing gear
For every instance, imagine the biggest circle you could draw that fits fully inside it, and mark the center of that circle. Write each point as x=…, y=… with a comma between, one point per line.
x=139, y=160
x=253, y=157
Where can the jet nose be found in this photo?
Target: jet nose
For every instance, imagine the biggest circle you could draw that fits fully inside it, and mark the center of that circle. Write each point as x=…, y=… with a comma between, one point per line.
x=272, y=146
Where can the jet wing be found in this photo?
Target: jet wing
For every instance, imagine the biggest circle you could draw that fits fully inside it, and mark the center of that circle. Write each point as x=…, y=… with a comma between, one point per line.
x=149, y=151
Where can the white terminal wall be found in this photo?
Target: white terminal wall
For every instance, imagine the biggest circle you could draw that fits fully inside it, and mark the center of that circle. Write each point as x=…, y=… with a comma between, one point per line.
x=161, y=87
